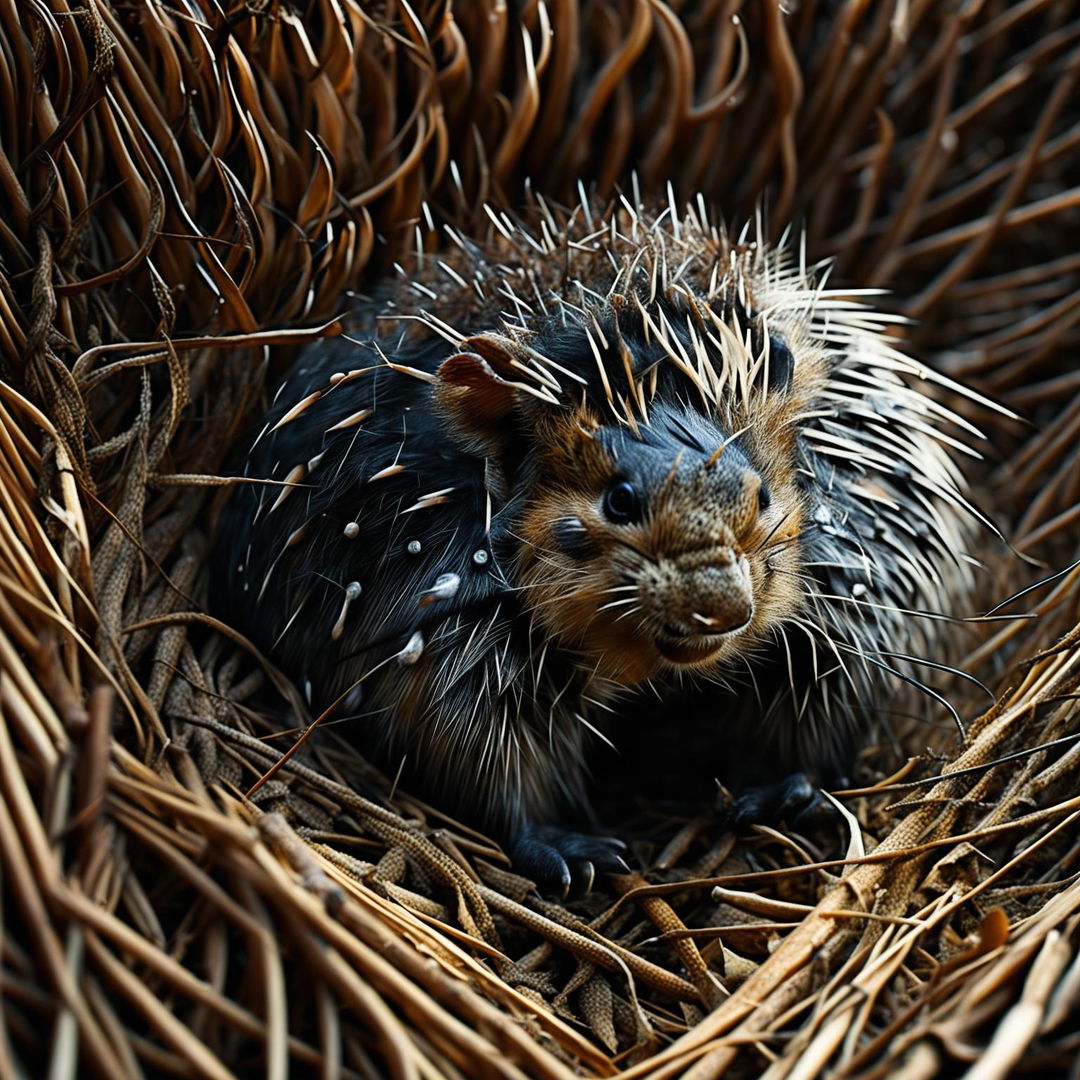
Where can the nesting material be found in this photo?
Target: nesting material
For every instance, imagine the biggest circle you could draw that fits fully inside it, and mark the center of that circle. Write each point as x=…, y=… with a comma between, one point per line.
x=190, y=885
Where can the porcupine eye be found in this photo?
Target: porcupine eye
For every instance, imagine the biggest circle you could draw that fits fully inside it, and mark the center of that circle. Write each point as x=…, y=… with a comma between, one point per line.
x=622, y=504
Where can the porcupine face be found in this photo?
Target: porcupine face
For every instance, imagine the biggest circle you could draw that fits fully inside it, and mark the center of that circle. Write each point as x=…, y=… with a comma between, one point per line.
x=665, y=547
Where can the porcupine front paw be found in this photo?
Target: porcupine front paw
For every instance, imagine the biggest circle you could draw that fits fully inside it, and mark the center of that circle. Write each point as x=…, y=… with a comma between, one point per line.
x=562, y=861
x=794, y=799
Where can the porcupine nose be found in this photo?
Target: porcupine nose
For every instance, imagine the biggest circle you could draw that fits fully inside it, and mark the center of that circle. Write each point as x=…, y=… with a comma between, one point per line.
x=718, y=599
x=710, y=601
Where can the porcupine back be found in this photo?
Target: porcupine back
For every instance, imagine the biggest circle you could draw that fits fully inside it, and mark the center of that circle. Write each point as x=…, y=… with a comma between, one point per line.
x=419, y=551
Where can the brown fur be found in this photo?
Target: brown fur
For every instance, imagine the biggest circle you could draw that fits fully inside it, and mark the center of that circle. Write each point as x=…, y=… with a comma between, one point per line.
x=663, y=554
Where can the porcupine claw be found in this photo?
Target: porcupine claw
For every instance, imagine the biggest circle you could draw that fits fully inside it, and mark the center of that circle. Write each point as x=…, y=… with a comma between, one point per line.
x=565, y=862
x=793, y=798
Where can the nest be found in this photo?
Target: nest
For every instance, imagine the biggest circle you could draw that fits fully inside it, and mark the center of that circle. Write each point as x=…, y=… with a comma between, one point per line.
x=189, y=190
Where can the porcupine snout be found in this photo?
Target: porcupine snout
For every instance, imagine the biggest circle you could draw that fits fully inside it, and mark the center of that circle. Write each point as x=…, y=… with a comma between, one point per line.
x=701, y=589
x=697, y=598
x=713, y=598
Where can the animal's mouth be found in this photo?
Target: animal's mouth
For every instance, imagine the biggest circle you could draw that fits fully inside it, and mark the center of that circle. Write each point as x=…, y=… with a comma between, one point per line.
x=688, y=650
x=678, y=647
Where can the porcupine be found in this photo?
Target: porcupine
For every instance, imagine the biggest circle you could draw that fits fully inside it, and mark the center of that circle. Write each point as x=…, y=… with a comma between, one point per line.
x=548, y=468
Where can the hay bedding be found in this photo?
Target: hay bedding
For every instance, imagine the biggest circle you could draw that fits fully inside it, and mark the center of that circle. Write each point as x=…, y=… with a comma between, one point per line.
x=188, y=190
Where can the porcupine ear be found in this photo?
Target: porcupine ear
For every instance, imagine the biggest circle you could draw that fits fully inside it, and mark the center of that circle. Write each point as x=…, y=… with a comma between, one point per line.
x=474, y=395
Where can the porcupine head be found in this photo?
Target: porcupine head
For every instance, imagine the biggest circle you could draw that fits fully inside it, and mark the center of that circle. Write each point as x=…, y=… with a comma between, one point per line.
x=695, y=470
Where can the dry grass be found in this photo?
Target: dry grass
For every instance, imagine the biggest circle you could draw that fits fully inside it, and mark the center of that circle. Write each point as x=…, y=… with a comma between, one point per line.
x=186, y=186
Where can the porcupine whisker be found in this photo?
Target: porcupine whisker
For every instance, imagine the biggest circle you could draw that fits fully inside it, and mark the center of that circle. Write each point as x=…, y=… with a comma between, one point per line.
x=1031, y=588
x=363, y=714
x=617, y=603
x=724, y=682
x=934, y=616
x=597, y=703
x=538, y=669
x=923, y=688
x=753, y=681
x=803, y=701
x=810, y=630
x=586, y=589
x=922, y=660
x=772, y=532
x=646, y=624
x=595, y=730
x=554, y=705
x=807, y=531
x=633, y=590
x=806, y=579
x=854, y=646
x=651, y=686
x=854, y=566
x=799, y=575
x=547, y=555
x=821, y=673
x=552, y=561
x=782, y=631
